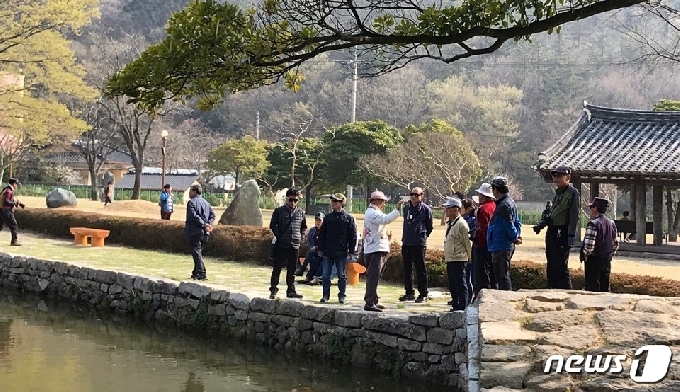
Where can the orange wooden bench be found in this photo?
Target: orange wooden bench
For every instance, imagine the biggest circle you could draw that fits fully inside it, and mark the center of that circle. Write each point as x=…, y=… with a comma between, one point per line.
x=83, y=233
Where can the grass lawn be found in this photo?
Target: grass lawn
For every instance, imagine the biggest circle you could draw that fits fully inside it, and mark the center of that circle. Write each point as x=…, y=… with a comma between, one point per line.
x=238, y=277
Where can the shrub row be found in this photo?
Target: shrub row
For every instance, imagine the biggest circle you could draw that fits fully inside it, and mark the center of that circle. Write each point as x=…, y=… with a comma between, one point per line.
x=251, y=244
x=238, y=243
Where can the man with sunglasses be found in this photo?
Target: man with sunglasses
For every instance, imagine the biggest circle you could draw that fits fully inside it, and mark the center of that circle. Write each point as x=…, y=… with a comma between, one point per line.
x=289, y=226
x=562, y=224
x=337, y=241
x=417, y=228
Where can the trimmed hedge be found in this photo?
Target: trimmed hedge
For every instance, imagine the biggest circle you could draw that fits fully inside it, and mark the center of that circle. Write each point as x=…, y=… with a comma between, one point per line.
x=239, y=243
x=251, y=244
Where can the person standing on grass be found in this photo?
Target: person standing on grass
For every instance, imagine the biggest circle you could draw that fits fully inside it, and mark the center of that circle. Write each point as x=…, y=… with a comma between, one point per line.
x=167, y=206
x=505, y=231
x=337, y=242
x=8, y=205
x=376, y=246
x=457, y=253
x=198, y=227
x=484, y=278
x=417, y=228
x=598, y=246
x=108, y=193
x=289, y=226
x=469, y=213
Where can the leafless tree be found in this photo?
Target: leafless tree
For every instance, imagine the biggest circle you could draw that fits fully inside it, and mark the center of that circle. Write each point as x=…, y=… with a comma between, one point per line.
x=291, y=126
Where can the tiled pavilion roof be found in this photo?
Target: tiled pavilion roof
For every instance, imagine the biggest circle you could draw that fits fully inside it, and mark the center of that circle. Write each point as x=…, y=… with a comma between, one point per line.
x=609, y=143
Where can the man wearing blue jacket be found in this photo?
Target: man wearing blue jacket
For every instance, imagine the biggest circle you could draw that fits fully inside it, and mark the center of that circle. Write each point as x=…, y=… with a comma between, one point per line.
x=200, y=217
x=505, y=231
x=417, y=228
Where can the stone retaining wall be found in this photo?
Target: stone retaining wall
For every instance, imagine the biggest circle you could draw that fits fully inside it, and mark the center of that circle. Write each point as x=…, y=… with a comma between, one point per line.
x=519, y=331
x=431, y=347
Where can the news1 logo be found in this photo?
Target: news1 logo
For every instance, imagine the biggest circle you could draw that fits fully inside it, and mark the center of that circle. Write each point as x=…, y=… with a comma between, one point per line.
x=655, y=367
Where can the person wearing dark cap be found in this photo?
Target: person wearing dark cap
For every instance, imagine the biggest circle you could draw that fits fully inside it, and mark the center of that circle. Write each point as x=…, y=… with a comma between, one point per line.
x=337, y=241
x=562, y=223
x=418, y=225
x=599, y=244
x=504, y=232
x=166, y=204
x=8, y=205
x=289, y=226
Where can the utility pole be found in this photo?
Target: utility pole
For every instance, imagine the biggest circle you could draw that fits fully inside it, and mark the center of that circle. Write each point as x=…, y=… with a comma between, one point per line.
x=257, y=126
x=355, y=79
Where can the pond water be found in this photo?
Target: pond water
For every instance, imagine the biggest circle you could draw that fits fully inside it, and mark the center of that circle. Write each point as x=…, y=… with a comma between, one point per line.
x=49, y=347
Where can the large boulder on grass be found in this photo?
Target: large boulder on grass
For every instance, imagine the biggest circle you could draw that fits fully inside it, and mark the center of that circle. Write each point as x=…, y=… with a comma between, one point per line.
x=243, y=210
x=61, y=198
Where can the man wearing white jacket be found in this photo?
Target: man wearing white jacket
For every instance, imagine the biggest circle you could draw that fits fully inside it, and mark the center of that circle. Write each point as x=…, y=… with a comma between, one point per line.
x=376, y=246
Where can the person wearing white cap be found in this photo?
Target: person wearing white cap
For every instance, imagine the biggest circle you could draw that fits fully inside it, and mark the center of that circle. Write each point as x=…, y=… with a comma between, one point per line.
x=484, y=277
x=376, y=246
x=457, y=253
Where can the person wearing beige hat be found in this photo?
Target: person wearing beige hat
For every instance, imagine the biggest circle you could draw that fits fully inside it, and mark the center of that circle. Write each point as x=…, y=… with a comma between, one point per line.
x=484, y=277
x=457, y=253
x=376, y=246
x=337, y=241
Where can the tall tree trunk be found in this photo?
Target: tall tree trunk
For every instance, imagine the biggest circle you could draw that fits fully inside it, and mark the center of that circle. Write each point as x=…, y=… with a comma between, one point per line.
x=93, y=187
x=136, y=191
x=308, y=193
x=672, y=233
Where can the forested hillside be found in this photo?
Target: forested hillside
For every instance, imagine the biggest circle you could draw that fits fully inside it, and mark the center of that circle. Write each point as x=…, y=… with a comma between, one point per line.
x=508, y=105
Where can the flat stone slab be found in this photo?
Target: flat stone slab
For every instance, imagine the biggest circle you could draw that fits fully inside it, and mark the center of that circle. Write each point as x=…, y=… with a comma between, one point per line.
x=600, y=302
x=505, y=332
x=506, y=374
x=557, y=320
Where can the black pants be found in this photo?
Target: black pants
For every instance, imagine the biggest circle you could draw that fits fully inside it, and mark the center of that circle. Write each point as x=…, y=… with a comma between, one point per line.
x=484, y=277
x=166, y=215
x=375, y=265
x=284, y=257
x=501, y=268
x=457, y=284
x=107, y=200
x=7, y=218
x=597, y=273
x=414, y=255
x=197, y=244
x=557, y=256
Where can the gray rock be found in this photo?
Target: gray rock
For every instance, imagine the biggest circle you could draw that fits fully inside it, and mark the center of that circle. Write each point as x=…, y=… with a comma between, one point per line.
x=452, y=320
x=193, y=290
x=556, y=320
x=551, y=383
x=534, y=306
x=505, y=332
x=220, y=296
x=401, y=327
x=239, y=301
x=381, y=338
x=655, y=306
x=549, y=295
x=504, y=353
x=428, y=319
x=351, y=319
x=59, y=197
x=600, y=302
x=506, y=374
x=575, y=337
x=263, y=305
x=498, y=311
x=290, y=308
x=243, y=210
x=408, y=345
x=630, y=329
x=322, y=314
x=440, y=335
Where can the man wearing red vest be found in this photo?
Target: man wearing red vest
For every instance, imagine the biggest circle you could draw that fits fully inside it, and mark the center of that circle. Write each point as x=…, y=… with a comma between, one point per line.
x=7, y=212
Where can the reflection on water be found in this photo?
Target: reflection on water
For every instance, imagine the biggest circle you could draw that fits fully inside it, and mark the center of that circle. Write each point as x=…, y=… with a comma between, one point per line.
x=51, y=347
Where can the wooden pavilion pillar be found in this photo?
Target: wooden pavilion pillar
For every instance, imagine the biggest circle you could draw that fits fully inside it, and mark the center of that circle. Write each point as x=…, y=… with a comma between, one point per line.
x=640, y=212
x=577, y=184
x=633, y=208
x=594, y=190
x=657, y=208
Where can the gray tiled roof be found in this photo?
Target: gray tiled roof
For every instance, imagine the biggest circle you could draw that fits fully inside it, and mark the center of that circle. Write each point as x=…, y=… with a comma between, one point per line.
x=153, y=181
x=618, y=143
x=112, y=156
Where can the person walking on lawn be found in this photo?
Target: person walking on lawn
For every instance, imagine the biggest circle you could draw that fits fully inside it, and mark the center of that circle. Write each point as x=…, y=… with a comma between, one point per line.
x=198, y=227
x=457, y=253
x=417, y=228
x=8, y=205
x=167, y=207
x=289, y=226
x=108, y=193
x=376, y=246
x=337, y=241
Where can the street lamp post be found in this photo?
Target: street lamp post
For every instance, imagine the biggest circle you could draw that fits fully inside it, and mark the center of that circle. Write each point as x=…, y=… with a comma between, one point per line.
x=164, y=137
